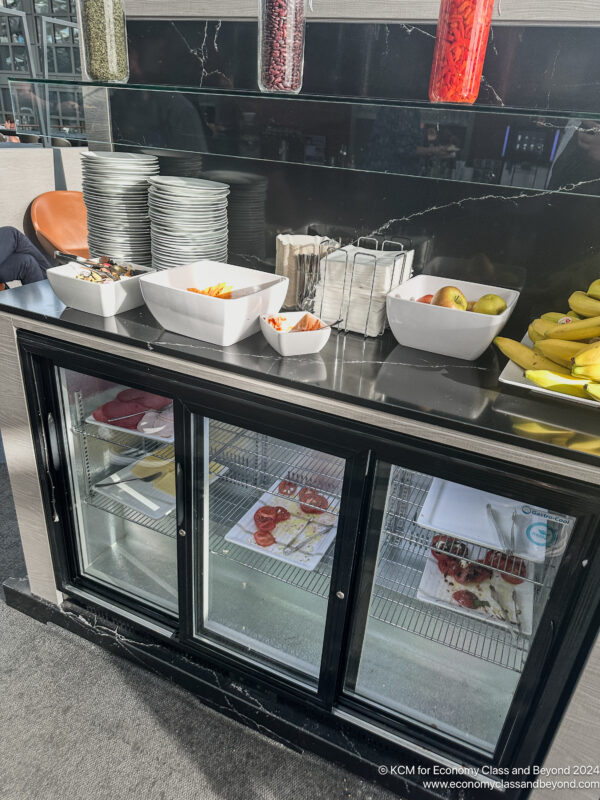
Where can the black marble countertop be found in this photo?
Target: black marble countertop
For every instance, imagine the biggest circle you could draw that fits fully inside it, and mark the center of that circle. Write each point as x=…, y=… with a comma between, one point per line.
x=376, y=373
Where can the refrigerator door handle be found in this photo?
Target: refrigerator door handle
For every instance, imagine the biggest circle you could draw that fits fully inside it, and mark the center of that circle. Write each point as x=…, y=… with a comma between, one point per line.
x=179, y=482
x=51, y=443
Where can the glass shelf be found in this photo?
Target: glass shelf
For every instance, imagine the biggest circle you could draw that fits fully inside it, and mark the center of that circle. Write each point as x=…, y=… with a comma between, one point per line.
x=488, y=146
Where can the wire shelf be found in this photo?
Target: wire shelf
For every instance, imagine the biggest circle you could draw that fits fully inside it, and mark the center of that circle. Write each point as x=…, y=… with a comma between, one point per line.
x=166, y=525
x=131, y=440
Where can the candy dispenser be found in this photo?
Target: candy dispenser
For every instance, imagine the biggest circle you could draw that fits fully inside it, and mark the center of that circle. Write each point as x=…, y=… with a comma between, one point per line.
x=281, y=45
x=461, y=41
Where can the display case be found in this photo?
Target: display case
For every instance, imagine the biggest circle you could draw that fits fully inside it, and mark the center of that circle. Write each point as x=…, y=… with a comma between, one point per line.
x=427, y=593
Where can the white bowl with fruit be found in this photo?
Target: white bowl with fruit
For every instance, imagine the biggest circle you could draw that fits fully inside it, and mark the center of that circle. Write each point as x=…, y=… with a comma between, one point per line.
x=451, y=318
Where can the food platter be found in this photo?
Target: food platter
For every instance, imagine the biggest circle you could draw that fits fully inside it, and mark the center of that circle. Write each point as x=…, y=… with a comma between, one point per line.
x=320, y=529
x=437, y=589
x=513, y=375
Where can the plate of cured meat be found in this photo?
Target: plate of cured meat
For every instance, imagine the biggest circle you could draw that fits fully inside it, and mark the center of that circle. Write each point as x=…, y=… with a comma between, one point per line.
x=498, y=589
x=290, y=522
x=138, y=412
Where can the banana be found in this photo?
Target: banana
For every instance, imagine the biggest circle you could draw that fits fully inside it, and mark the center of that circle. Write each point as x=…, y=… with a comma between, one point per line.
x=585, y=444
x=538, y=328
x=582, y=304
x=556, y=316
x=594, y=290
x=589, y=355
x=539, y=431
x=591, y=372
x=593, y=390
x=525, y=357
x=576, y=331
x=558, y=350
x=556, y=382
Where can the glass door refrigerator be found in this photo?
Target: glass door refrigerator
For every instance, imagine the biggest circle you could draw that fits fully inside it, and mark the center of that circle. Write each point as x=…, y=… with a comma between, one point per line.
x=439, y=602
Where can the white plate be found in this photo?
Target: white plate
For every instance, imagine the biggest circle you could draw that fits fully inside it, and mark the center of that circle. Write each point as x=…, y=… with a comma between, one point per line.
x=434, y=589
x=514, y=375
x=297, y=527
x=461, y=511
x=91, y=421
x=175, y=184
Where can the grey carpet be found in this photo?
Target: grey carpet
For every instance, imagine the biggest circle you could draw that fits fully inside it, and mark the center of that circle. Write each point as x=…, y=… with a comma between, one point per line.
x=83, y=724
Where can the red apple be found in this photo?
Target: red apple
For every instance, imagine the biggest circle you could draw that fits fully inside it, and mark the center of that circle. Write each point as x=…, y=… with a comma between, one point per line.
x=427, y=298
x=450, y=297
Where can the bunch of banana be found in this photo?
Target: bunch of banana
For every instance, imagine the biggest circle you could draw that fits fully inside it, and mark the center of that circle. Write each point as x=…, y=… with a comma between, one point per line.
x=565, y=357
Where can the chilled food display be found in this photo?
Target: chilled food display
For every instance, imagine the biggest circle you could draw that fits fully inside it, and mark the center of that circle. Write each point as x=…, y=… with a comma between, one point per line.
x=291, y=523
x=138, y=411
x=460, y=46
x=561, y=352
x=496, y=588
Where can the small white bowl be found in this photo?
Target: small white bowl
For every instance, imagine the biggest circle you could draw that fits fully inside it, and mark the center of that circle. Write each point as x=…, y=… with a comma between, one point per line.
x=103, y=299
x=212, y=319
x=446, y=331
x=294, y=343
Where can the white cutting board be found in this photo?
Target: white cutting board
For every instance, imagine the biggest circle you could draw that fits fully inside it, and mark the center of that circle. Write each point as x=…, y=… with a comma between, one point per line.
x=461, y=512
x=134, y=431
x=436, y=589
x=300, y=526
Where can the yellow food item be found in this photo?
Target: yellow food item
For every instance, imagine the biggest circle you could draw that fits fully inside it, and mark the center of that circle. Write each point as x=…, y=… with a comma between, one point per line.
x=558, y=350
x=576, y=331
x=585, y=444
x=557, y=382
x=539, y=328
x=589, y=355
x=491, y=304
x=525, y=357
x=593, y=390
x=581, y=303
x=539, y=431
x=166, y=482
x=591, y=372
x=556, y=316
x=221, y=290
x=594, y=290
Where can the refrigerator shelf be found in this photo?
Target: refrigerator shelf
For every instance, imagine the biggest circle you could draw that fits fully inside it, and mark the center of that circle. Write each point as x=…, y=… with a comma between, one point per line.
x=167, y=525
x=268, y=460
x=133, y=440
x=229, y=502
x=394, y=602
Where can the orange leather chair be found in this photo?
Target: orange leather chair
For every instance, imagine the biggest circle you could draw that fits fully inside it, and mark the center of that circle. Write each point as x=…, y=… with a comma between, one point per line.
x=60, y=222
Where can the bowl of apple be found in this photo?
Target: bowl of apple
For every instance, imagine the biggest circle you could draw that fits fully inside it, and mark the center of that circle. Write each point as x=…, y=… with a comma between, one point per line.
x=451, y=318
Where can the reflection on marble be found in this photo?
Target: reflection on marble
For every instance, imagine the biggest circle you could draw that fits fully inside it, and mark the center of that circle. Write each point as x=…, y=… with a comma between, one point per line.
x=374, y=373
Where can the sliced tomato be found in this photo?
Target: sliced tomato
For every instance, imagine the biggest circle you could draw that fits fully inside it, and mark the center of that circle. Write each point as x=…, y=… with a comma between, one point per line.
x=265, y=518
x=306, y=494
x=287, y=488
x=467, y=599
x=447, y=564
x=512, y=568
x=264, y=538
x=282, y=514
x=317, y=505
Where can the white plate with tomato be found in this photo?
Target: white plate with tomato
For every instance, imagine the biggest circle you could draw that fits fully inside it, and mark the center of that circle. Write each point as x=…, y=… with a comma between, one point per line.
x=289, y=515
x=452, y=581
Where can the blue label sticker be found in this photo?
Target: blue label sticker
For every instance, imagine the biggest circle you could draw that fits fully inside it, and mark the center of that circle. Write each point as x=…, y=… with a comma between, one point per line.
x=540, y=533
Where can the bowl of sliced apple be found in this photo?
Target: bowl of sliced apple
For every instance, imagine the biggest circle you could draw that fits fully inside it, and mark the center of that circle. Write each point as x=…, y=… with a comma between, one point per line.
x=448, y=317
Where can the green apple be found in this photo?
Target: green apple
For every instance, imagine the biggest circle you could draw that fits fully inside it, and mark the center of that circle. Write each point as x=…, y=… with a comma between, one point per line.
x=490, y=304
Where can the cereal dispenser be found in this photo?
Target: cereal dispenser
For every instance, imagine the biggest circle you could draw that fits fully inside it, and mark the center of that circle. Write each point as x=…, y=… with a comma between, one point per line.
x=281, y=45
x=461, y=41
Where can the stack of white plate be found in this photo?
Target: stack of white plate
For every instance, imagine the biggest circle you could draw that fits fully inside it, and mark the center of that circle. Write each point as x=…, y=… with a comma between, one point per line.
x=188, y=221
x=115, y=191
x=247, y=204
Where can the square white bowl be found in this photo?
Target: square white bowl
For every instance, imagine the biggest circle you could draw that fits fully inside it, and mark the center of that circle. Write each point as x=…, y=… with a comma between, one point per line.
x=446, y=331
x=297, y=343
x=212, y=319
x=103, y=299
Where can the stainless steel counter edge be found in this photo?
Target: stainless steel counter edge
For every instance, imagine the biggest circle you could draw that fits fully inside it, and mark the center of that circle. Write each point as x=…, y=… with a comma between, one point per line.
x=378, y=419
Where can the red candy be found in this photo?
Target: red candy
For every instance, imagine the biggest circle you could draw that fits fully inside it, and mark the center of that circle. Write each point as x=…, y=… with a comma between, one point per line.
x=282, y=45
x=462, y=36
